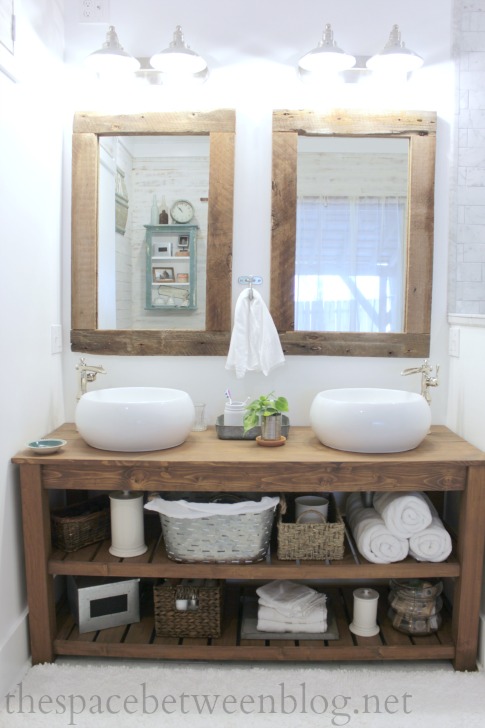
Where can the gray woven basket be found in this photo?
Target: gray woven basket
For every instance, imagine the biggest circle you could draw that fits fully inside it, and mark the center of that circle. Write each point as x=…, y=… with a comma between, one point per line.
x=311, y=541
x=238, y=539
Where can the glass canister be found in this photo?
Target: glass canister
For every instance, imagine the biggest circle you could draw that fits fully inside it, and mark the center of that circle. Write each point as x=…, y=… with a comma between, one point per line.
x=415, y=605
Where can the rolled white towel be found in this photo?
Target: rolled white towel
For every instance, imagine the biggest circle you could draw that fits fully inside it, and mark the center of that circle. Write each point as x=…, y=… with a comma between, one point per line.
x=372, y=537
x=318, y=614
x=288, y=597
x=432, y=544
x=404, y=513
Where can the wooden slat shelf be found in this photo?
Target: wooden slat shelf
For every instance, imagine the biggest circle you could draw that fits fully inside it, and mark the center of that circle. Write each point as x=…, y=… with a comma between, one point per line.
x=139, y=640
x=96, y=560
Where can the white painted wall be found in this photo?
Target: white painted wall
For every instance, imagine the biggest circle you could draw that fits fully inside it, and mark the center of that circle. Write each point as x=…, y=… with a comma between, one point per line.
x=31, y=128
x=252, y=48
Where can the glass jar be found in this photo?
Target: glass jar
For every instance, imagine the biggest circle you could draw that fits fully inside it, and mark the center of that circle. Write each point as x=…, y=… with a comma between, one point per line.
x=415, y=605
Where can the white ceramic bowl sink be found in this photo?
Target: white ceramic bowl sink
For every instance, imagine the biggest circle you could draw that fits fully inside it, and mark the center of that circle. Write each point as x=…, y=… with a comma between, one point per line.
x=370, y=420
x=135, y=419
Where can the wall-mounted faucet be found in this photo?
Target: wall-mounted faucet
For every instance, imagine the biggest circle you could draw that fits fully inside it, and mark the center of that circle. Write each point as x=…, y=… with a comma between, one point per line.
x=427, y=380
x=87, y=373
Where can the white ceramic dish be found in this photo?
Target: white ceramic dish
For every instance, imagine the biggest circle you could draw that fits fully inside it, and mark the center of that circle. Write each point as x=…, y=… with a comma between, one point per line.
x=46, y=446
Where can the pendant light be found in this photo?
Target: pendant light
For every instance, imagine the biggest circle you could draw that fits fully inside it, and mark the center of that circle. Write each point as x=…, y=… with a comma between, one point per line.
x=111, y=58
x=178, y=58
x=395, y=56
x=327, y=56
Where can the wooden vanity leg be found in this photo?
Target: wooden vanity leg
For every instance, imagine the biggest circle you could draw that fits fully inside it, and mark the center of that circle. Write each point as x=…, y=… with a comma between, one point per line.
x=37, y=539
x=471, y=542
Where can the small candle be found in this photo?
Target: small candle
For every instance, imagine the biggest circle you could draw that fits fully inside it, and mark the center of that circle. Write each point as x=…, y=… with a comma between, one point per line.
x=365, y=612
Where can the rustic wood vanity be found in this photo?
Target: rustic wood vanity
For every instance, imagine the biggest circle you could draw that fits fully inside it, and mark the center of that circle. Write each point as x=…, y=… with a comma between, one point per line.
x=443, y=463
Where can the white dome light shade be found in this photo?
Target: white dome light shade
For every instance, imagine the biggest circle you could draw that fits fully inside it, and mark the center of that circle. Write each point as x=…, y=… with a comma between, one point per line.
x=112, y=58
x=178, y=57
x=327, y=56
x=395, y=56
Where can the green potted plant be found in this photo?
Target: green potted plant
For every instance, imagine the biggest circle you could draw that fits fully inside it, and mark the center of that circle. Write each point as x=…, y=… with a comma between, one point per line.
x=266, y=410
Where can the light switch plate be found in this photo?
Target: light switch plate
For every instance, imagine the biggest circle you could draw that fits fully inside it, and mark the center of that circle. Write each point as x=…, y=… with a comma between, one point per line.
x=56, y=339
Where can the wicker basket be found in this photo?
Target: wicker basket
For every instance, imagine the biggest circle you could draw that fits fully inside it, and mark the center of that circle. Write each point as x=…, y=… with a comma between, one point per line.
x=204, y=620
x=81, y=524
x=229, y=539
x=310, y=541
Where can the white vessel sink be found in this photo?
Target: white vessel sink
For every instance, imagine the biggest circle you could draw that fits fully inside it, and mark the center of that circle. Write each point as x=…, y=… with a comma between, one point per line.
x=135, y=419
x=370, y=420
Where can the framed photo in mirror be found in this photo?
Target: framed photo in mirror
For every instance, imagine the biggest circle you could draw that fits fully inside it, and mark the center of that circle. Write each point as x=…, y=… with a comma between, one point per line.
x=163, y=275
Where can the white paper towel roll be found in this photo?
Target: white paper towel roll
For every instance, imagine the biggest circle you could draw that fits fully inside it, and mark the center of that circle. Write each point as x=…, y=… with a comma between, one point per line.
x=127, y=531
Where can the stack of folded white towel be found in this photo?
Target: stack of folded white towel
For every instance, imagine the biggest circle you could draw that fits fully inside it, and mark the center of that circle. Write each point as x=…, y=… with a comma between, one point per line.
x=286, y=606
x=398, y=524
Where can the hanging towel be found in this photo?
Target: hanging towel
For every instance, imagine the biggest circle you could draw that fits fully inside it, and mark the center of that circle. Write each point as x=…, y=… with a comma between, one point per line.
x=404, y=513
x=255, y=345
x=372, y=537
x=434, y=542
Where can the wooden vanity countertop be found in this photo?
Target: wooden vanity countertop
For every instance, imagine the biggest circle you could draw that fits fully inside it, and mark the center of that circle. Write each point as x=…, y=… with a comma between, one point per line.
x=441, y=445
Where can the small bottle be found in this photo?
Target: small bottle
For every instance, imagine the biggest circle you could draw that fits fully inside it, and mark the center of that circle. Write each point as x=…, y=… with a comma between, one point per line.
x=234, y=414
x=154, y=212
x=163, y=217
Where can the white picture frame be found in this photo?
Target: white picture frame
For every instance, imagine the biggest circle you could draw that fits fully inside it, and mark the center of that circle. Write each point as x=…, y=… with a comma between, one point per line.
x=162, y=249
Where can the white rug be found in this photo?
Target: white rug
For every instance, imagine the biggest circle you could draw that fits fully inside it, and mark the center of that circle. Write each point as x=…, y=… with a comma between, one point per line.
x=96, y=694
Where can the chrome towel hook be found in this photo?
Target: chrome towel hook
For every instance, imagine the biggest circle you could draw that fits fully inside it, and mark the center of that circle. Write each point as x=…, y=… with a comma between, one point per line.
x=250, y=281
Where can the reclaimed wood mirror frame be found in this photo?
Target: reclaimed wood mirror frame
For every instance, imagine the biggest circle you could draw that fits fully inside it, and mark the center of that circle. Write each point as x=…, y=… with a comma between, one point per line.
x=88, y=127
x=420, y=129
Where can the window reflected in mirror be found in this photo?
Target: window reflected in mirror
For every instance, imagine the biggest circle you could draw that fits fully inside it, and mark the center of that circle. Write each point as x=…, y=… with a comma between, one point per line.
x=350, y=234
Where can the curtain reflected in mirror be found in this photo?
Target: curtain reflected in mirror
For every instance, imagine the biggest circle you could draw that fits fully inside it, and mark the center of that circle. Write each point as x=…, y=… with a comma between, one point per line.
x=351, y=234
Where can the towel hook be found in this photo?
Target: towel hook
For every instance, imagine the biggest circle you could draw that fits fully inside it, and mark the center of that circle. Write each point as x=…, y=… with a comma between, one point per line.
x=250, y=281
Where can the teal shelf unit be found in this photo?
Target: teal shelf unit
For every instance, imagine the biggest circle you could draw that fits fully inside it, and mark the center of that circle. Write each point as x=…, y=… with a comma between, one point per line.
x=171, y=267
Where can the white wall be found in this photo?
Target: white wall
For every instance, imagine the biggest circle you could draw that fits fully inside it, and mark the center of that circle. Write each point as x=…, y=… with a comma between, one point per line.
x=31, y=126
x=252, y=49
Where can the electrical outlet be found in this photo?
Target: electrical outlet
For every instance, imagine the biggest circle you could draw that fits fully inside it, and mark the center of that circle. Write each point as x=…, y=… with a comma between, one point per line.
x=93, y=11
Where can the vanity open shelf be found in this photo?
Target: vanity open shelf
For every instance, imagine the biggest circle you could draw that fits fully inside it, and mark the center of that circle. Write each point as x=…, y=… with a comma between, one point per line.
x=140, y=641
x=442, y=463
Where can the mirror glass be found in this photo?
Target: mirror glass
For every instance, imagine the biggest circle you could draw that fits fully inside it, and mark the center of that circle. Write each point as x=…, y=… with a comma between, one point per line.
x=136, y=175
x=350, y=234
x=134, y=289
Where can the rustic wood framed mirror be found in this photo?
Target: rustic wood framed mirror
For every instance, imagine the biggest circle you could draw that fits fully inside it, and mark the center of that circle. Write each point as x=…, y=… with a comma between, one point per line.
x=88, y=130
x=411, y=337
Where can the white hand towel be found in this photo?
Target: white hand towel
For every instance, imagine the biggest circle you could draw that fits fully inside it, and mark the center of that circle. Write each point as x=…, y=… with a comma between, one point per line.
x=404, y=513
x=372, y=537
x=267, y=625
x=255, y=345
x=318, y=614
x=289, y=598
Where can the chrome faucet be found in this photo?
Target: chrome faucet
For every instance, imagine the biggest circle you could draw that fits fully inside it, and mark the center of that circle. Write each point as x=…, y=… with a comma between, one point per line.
x=427, y=380
x=88, y=373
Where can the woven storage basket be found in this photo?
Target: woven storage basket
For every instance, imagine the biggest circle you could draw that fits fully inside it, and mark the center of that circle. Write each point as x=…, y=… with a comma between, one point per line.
x=204, y=621
x=81, y=524
x=310, y=541
x=230, y=539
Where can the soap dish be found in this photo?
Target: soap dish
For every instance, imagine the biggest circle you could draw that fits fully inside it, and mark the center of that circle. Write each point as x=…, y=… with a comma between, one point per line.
x=46, y=446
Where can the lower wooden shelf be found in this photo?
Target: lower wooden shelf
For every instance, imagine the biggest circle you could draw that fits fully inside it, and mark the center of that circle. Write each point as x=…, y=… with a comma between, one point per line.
x=140, y=641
